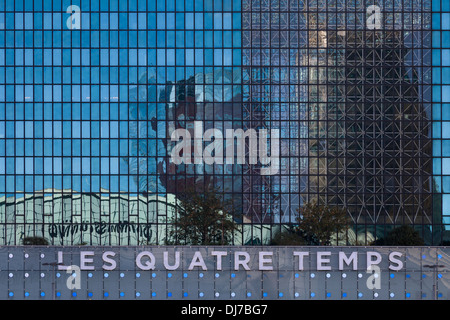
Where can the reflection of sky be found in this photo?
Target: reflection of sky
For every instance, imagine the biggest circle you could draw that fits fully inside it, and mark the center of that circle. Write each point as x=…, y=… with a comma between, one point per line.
x=182, y=41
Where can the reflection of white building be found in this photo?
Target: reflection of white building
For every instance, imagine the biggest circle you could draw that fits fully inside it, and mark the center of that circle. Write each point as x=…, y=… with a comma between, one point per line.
x=64, y=217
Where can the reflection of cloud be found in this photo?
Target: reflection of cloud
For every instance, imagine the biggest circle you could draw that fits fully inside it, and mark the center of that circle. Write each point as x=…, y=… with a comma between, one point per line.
x=144, y=149
x=205, y=90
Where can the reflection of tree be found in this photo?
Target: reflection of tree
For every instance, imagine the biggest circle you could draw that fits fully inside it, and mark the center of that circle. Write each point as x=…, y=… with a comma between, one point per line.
x=405, y=235
x=318, y=224
x=203, y=219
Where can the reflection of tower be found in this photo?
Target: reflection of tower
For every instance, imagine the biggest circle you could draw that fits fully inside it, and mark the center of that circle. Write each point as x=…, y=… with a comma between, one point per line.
x=259, y=199
x=270, y=102
x=369, y=148
x=387, y=170
x=347, y=101
x=321, y=108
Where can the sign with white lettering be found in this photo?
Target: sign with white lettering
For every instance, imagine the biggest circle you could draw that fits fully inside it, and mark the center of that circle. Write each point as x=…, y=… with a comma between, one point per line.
x=171, y=272
x=240, y=260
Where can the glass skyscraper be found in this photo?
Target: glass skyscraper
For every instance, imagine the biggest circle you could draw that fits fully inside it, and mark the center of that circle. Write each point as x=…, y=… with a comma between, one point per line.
x=91, y=92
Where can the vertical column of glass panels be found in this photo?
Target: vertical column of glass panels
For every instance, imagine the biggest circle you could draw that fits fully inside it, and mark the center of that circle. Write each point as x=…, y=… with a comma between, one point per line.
x=441, y=115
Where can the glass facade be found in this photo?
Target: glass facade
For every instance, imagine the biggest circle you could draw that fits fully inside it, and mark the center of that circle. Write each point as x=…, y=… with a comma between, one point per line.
x=352, y=94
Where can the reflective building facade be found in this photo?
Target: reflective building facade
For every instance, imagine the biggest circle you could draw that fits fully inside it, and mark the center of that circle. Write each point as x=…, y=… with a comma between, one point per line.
x=91, y=93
